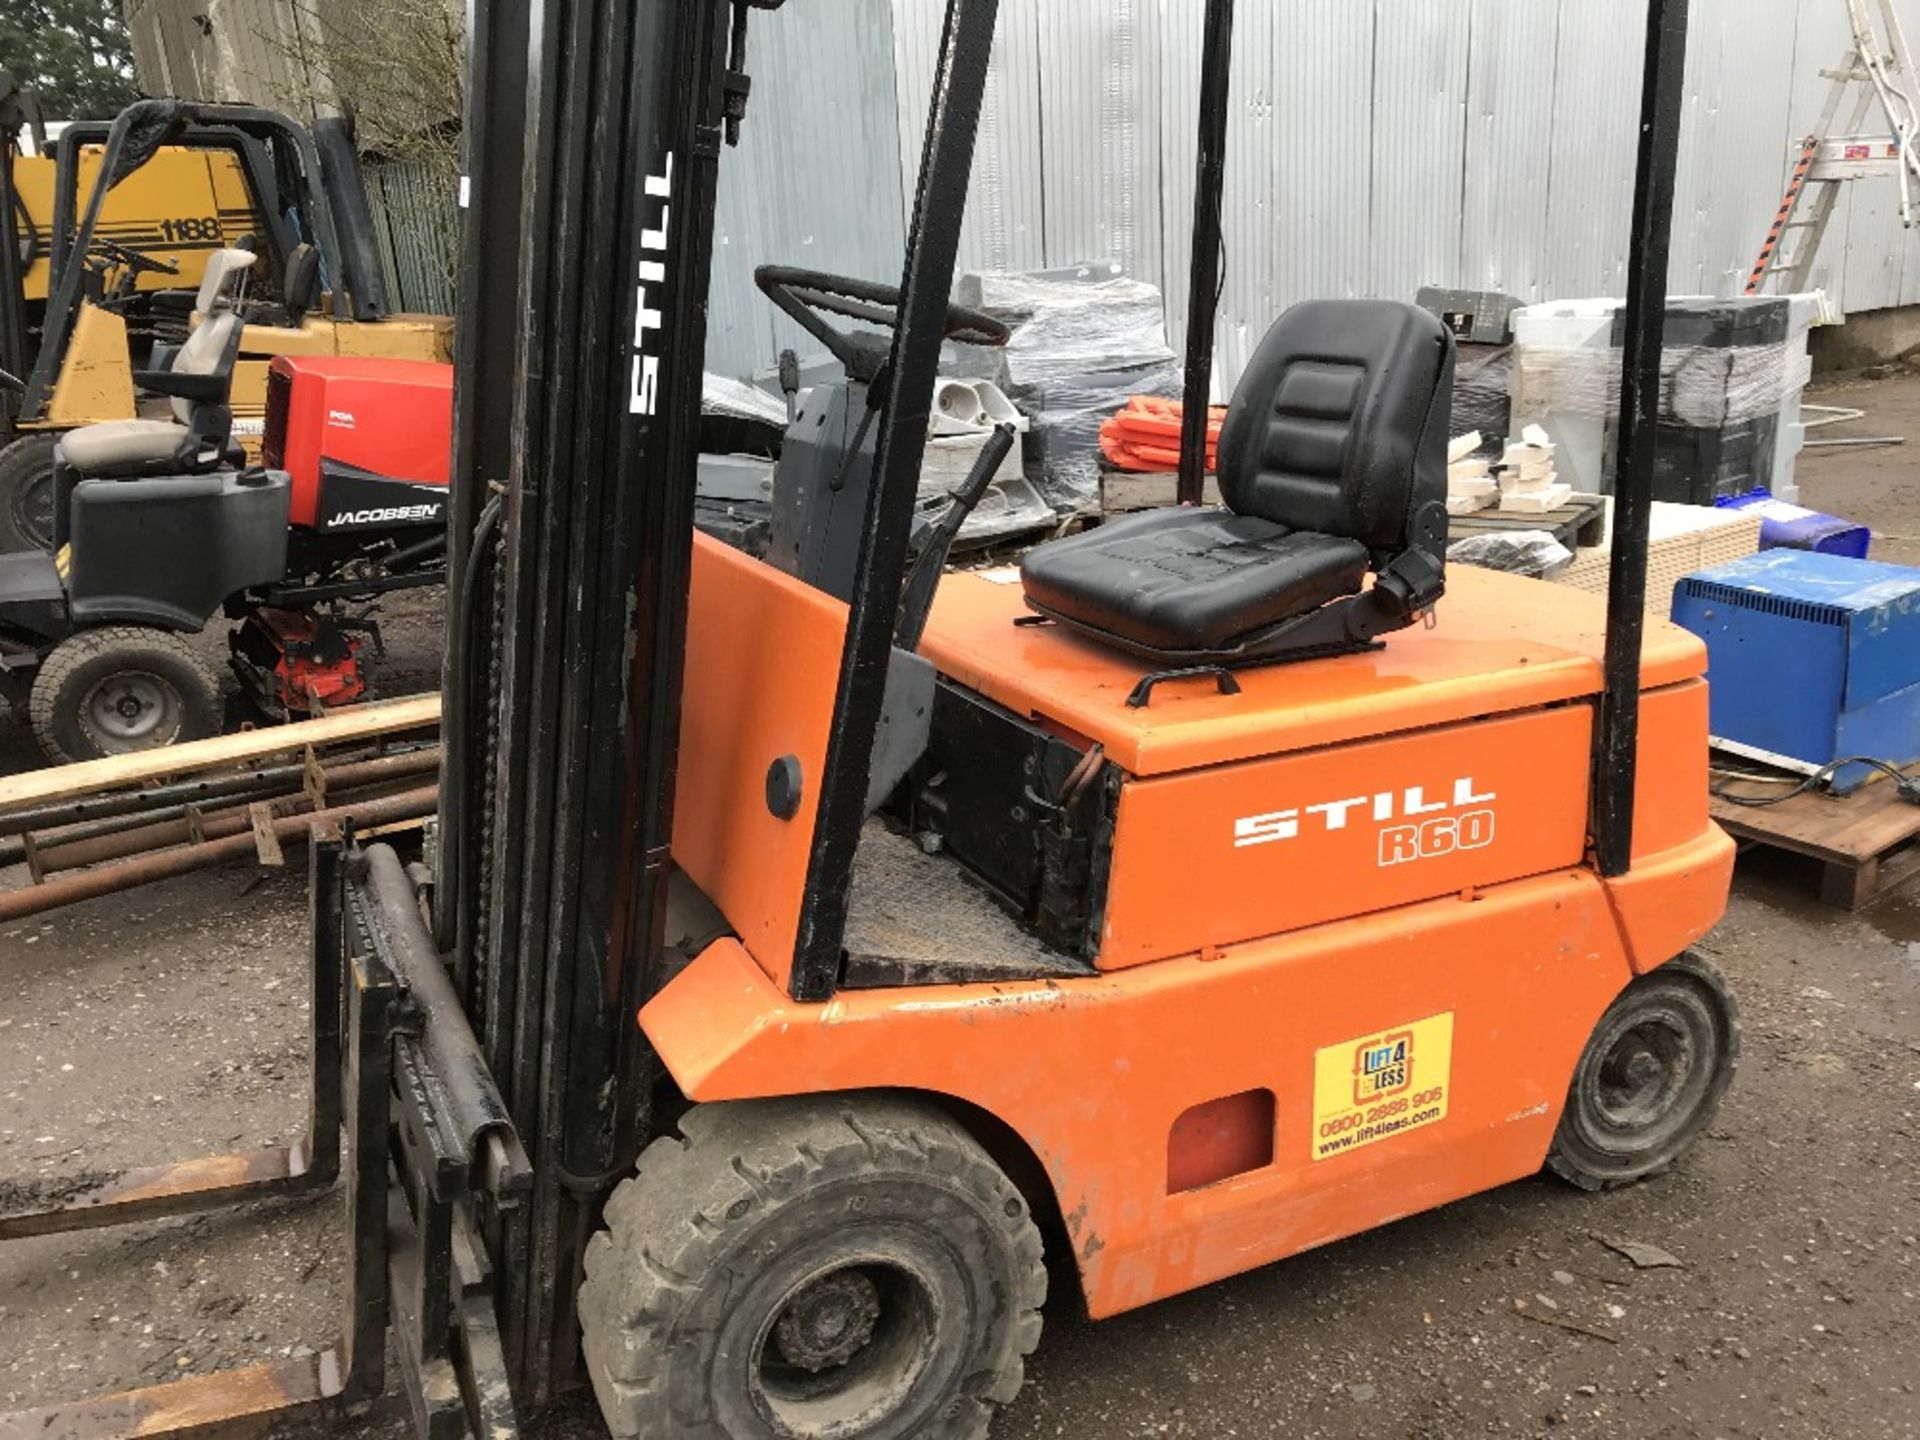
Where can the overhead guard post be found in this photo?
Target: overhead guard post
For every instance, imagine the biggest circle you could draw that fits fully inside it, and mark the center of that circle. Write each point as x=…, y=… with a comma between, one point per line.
x=933, y=247
x=1615, y=756
x=1203, y=289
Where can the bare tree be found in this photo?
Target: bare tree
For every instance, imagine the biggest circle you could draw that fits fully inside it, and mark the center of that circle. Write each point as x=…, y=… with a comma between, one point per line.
x=400, y=67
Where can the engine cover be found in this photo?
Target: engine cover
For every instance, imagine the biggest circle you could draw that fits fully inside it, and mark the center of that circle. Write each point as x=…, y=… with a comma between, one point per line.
x=367, y=441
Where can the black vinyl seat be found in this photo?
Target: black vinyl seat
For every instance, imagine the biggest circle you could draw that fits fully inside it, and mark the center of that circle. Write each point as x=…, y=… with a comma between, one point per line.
x=1333, y=463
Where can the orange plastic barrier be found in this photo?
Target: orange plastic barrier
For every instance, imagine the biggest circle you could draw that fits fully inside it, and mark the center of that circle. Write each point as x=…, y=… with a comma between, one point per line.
x=1146, y=435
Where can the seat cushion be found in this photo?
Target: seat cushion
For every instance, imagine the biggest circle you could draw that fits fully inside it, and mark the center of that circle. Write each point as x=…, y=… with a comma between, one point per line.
x=121, y=444
x=1197, y=583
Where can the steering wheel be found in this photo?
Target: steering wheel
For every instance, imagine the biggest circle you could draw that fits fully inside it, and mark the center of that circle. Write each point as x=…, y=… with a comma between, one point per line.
x=117, y=254
x=808, y=296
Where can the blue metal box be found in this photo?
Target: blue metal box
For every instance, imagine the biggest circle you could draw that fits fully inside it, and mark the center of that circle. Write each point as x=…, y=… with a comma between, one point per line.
x=1813, y=658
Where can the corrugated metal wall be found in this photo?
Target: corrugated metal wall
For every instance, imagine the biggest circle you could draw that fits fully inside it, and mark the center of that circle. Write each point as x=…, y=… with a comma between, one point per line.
x=417, y=228
x=816, y=181
x=1377, y=145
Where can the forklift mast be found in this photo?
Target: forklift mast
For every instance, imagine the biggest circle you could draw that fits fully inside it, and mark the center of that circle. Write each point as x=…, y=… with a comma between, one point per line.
x=595, y=134
x=564, y=694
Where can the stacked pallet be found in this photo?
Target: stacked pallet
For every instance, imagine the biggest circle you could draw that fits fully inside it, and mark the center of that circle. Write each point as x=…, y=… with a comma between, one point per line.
x=1683, y=539
x=1529, y=481
x=1470, y=483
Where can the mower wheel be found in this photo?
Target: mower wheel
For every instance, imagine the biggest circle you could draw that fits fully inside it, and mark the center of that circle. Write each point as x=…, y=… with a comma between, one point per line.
x=26, y=493
x=844, y=1268
x=121, y=689
x=1651, y=1079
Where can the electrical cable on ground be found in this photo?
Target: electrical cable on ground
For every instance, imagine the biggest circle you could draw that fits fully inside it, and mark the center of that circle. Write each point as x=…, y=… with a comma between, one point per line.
x=1908, y=785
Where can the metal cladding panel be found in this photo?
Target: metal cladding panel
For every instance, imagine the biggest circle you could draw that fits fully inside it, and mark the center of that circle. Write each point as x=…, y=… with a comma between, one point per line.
x=1004, y=227
x=1375, y=146
x=1821, y=40
x=1596, y=98
x=1733, y=145
x=1100, y=132
x=1510, y=140
x=1298, y=216
x=1180, y=37
x=816, y=179
x=1876, y=252
x=1305, y=135
x=1420, y=60
x=1757, y=65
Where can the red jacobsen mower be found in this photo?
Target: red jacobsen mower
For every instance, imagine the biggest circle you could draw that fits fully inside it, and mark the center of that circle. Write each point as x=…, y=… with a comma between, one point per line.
x=160, y=527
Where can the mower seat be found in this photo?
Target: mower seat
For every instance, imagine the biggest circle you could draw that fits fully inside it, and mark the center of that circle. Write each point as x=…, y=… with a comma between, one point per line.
x=1333, y=463
x=115, y=445
x=199, y=380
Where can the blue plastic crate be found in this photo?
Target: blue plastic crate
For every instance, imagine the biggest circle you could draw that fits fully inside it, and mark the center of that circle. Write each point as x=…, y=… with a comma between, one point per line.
x=1789, y=527
x=1814, y=657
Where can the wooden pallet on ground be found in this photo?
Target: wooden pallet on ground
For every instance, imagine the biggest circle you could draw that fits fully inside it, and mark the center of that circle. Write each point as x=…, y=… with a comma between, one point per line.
x=1581, y=521
x=1867, y=842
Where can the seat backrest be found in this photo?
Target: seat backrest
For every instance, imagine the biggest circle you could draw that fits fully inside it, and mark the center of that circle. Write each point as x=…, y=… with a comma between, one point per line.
x=222, y=266
x=209, y=350
x=303, y=282
x=1340, y=424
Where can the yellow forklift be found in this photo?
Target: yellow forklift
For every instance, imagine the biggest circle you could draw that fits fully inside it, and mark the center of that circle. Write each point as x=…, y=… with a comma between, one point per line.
x=114, y=225
x=805, y=950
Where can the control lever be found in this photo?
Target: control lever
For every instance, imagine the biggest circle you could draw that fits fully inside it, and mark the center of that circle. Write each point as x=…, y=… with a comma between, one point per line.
x=790, y=382
x=923, y=581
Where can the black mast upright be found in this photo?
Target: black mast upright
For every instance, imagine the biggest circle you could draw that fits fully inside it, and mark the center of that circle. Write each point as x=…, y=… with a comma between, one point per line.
x=1615, y=769
x=584, y=380
x=1203, y=288
x=485, y=337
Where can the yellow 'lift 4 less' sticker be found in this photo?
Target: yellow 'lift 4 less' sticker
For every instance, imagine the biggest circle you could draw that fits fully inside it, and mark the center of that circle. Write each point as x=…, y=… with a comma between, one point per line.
x=1381, y=1085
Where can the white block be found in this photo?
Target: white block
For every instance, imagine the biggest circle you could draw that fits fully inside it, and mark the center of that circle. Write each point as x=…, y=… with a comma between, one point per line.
x=1535, y=502
x=1469, y=470
x=1463, y=446
x=1520, y=481
x=1480, y=487
x=1468, y=504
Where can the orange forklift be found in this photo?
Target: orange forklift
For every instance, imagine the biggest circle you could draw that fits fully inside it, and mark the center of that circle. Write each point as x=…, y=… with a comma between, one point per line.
x=1225, y=882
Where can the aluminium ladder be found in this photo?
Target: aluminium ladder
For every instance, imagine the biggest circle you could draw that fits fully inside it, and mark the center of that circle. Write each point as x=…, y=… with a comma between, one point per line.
x=1877, y=70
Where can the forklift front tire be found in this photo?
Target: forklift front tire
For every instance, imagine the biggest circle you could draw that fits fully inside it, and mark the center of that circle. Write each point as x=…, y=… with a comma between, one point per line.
x=847, y=1268
x=121, y=689
x=1651, y=1078
x=26, y=493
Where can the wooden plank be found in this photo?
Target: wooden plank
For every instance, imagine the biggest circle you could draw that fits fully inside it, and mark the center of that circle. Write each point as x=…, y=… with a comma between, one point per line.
x=117, y=772
x=1125, y=490
x=265, y=843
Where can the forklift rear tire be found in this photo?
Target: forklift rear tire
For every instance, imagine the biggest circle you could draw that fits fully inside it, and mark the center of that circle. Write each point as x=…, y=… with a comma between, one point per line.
x=26, y=493
x=1651, y=1079
x=849, y=1268
x=121, y=689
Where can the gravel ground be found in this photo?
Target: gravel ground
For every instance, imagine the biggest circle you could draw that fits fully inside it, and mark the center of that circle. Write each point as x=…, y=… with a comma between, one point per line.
x=172, y=1022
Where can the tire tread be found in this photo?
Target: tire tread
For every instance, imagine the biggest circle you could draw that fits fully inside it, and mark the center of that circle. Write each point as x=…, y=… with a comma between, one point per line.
x=730, y=1162
x=49, y=697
